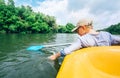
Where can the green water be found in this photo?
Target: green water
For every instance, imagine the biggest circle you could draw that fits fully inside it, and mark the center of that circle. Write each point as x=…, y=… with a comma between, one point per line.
x=17, y=62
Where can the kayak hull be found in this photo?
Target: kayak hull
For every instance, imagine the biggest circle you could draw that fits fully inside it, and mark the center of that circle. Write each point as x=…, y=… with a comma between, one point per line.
x=93, y=62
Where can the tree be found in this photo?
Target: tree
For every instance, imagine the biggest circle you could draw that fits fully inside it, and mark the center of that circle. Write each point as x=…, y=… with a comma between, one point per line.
x=62, y=29
x=11, y=3
x=12, y=28
x=2, y=2
x=69, y=27
x=23, y=20
x=114, y=29
x=2, y=14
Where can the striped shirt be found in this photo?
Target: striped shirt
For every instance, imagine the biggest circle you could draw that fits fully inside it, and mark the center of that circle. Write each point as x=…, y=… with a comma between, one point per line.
x=89, y=40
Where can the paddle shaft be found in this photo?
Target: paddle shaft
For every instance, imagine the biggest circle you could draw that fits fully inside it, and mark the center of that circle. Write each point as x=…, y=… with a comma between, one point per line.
x=57, y=45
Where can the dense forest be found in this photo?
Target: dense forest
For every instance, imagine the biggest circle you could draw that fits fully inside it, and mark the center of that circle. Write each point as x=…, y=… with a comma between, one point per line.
x=114, y=29
x=23, y=20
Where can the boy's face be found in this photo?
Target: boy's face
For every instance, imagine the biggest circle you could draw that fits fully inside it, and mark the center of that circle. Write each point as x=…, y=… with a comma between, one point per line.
x=82, y=30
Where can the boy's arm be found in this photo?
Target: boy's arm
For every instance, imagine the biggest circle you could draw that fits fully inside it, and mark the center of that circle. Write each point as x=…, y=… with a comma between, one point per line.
x=74, y=46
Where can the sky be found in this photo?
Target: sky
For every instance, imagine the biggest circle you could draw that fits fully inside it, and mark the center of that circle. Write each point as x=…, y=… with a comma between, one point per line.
x=103, y=12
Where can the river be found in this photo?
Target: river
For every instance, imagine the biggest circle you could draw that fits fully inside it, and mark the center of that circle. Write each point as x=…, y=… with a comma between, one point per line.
x=17, y=62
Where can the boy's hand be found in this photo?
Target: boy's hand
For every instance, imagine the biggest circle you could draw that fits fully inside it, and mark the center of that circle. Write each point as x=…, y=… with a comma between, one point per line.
x=52, y=57
x=55, y=56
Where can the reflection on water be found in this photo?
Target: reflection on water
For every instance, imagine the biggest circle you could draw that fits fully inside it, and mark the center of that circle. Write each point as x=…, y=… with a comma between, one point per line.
x=16, y=62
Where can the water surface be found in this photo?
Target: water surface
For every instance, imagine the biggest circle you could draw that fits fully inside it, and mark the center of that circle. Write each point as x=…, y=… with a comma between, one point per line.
x=17, y=62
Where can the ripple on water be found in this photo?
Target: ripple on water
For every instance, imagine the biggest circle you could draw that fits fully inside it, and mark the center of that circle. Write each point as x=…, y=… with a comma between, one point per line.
x=27, y=65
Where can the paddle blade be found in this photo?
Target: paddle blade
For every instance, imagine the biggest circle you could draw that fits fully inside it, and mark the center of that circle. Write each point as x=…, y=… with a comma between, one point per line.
x=35, y=48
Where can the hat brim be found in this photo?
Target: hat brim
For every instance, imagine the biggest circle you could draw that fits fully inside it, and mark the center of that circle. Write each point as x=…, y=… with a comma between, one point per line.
x=74, y=29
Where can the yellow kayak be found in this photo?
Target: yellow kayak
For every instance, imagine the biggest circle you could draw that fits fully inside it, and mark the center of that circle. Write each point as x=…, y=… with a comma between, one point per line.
x=93, y=62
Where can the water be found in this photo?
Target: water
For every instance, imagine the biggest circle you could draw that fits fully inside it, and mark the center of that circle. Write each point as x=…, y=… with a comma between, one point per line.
x=17, y=62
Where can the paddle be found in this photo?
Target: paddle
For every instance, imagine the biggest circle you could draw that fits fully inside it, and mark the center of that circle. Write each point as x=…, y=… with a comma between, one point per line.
x=39, y=47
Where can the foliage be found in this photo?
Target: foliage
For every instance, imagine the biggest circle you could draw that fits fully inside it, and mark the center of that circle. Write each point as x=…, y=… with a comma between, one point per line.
x=114, y=29
x=66, y=29
x=23, y=20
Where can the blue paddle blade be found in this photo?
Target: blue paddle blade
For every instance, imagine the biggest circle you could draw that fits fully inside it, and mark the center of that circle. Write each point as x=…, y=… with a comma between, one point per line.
x=35, y=48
